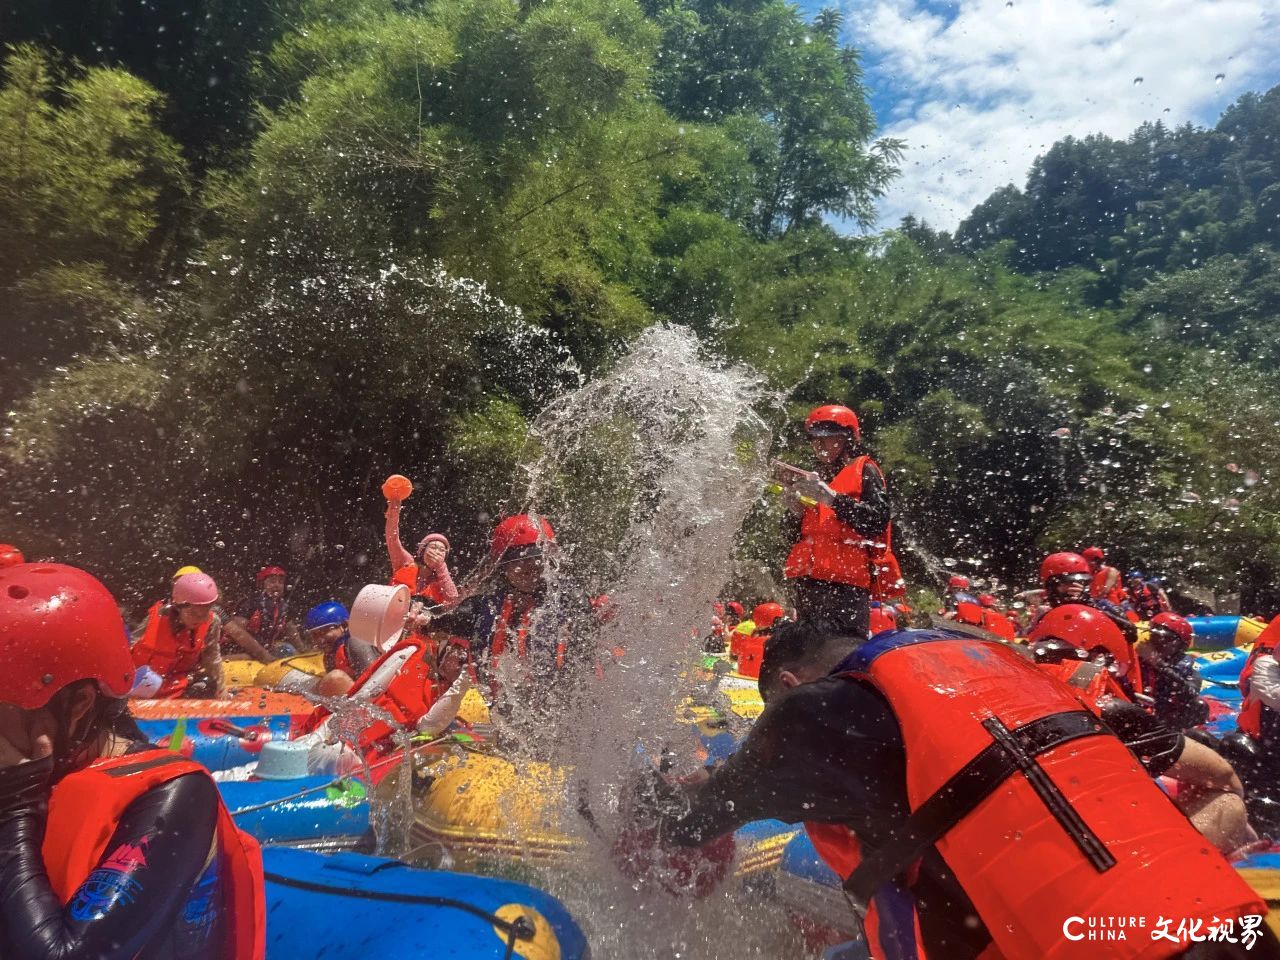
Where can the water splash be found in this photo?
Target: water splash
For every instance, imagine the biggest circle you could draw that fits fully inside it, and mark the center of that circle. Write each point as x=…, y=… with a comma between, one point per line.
x=647, y=474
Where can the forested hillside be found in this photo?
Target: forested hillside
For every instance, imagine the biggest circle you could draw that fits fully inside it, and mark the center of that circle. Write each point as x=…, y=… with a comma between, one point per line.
x=255, y=256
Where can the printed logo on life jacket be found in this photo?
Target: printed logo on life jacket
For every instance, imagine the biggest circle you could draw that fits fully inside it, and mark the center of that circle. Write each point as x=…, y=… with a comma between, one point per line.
x=200, y=913
x=111, y=883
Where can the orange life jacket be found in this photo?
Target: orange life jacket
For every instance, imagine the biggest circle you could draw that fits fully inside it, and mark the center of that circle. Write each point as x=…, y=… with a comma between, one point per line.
x=85, y=809
x=1098, y=587
x=968, y=612
x=410, y=694
x=830, y=550
x=419, y=585
x=1040, y=813
x=1254, y=714
x=173, y=653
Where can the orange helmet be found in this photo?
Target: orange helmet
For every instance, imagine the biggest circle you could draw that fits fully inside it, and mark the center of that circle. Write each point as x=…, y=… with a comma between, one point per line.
x=764, y=615
x=833, y=420
x=59, y=625
x=521, y=535
x=1087, y=629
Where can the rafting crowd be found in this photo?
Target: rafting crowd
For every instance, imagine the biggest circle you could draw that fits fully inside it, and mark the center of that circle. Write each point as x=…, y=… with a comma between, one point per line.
x=977, y=780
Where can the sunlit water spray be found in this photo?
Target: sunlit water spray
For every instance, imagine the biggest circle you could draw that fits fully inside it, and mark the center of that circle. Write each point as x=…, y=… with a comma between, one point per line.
x=647, y=474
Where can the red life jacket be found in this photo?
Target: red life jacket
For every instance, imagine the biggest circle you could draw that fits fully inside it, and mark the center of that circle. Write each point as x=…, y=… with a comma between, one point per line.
x=1039, y=812
x=968, y=612
x=85, y=809
x=407, y=698
x=1254, y=714
x=174, y=653
x=830, y=550
x=1098, y=587
x=416, y=578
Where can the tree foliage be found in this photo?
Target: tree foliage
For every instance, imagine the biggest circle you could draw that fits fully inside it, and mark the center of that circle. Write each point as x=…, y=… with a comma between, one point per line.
x=400, y=226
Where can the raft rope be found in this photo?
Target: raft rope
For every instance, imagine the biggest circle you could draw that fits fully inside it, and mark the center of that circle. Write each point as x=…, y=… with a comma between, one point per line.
x=338, y=782
x=521, y=928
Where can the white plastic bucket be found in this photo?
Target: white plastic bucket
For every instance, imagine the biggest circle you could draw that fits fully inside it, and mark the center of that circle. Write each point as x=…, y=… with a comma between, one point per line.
x=377, y=616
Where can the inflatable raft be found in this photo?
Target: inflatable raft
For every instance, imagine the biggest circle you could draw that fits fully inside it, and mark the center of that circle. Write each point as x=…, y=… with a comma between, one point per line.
x=1221, y=633
x=348, y=905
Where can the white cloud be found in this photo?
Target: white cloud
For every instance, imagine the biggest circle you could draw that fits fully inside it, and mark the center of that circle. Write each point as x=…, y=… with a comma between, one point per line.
x=982, y=93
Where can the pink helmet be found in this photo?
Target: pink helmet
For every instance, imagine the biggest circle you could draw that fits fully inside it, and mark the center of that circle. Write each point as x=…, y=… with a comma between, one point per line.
x=194, y=588
x=433, y=538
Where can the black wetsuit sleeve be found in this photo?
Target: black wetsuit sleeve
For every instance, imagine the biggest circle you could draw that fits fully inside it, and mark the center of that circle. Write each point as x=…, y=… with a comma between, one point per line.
x=1156, y=745
x=830, y=752
x=158, y=851
x=868, y=514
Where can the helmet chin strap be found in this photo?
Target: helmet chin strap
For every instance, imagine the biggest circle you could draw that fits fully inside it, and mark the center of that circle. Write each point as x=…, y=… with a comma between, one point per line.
x=70, y=746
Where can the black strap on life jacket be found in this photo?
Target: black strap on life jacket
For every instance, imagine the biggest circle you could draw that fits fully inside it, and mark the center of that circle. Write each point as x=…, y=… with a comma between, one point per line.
x=1011, y=751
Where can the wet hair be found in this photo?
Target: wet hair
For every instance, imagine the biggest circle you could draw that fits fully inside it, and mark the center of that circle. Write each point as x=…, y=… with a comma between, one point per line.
x=800, y=644
x=74, y=749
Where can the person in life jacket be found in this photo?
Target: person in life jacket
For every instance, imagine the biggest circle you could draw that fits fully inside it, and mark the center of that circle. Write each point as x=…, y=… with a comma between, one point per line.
x=1085, y=649
x=531, y=645
x=839, y=522
x=416, y=687
x=109, y=849
x=1255, y=746
x=1172, y=677
x=884, y=616
x=1139, y=597
x=345, y=658
x=764, y=616
x=10, y=556
x=231, y=645
x=1105, y=583
x=425, y=573
x=177, y=645
x=262, y=623
x=972, y=804
x=993, y=620
x=958, y=591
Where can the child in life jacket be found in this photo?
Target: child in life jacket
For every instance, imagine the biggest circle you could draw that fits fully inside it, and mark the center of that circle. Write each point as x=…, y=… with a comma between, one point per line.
x=109, y=848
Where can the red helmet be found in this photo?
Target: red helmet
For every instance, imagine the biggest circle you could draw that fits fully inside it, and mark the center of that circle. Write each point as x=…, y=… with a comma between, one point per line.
x=59, y=625
x=1180, y=627
x=986, y=599
x=957, y=582
x=737, y=609
x=10, y=556
x=765, y=614
x=1086, y=628
x=271, y=572
x=1064, y=565
x=1093, y=553
x=833, y=420
x=525, y=532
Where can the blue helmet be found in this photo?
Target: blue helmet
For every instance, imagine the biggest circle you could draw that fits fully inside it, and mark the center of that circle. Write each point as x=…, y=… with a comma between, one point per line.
x=327, y=614
x=1135, y=575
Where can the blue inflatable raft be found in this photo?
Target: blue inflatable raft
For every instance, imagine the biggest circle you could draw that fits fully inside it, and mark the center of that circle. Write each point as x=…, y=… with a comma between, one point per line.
x=348, y=905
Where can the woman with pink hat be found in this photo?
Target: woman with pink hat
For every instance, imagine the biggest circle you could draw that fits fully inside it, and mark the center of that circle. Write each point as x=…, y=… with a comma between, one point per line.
x=426, y=574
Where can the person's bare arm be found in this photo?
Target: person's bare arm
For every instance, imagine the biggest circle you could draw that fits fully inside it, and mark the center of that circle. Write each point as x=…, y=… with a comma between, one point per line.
x=237, y=629
x=1203, y=769
x=396, y=553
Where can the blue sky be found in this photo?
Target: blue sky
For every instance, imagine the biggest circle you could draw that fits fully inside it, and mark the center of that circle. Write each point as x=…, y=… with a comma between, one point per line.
x=979, y=88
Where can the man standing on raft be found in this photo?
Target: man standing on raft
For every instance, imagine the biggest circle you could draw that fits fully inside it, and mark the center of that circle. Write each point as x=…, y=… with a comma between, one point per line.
x=842, y=556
